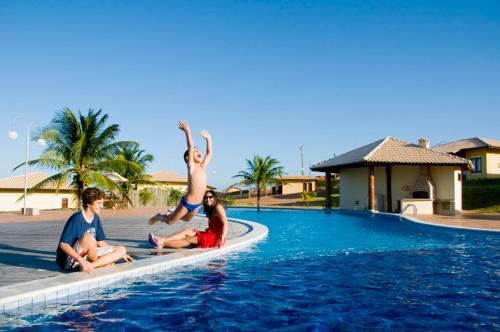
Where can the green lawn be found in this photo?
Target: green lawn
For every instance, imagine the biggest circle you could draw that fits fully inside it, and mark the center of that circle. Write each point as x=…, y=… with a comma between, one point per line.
x=481, y=195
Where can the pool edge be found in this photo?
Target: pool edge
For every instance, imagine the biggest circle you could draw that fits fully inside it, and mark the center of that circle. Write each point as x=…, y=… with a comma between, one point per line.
x=34, y=295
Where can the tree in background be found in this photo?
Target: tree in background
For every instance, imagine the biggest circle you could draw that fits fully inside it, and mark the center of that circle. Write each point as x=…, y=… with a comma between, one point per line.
x=261, y=171
x=134, y=176
x=83, y=150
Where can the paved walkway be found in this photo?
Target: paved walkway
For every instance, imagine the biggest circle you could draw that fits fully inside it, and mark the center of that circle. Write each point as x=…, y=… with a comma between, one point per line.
x=466, y=220
x=28, y=243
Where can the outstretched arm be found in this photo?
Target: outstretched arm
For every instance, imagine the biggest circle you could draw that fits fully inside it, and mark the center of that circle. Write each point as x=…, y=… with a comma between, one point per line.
x=222, y=216
x=183, y=125
x=208, y=154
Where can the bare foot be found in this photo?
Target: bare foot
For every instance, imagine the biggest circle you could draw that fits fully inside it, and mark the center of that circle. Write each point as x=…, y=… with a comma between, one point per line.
x=154, y=219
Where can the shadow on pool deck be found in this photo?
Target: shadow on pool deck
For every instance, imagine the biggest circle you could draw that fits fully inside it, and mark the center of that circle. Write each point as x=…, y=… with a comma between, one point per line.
x=29, y=277
x=27, y=249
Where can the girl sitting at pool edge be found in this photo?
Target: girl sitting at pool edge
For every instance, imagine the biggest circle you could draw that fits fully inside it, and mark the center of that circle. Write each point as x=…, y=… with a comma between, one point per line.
x=213, y=237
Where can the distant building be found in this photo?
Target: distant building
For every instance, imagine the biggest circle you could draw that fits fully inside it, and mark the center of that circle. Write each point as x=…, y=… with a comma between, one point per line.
x=391, y=174
x=12, y=189
x=295, y=184
x=167, y=180
x=484, y=153
x=236, y=192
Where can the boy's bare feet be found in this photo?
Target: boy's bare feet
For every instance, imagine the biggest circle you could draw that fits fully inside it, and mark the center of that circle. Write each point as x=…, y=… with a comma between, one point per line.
x=154, y=219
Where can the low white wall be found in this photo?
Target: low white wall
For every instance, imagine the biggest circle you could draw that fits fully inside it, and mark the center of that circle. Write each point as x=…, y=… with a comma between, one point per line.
x=42, y=201
x=423, y=205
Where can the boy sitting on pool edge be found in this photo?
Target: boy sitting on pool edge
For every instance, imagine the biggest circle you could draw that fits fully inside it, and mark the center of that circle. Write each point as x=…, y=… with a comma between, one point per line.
x=82, y=246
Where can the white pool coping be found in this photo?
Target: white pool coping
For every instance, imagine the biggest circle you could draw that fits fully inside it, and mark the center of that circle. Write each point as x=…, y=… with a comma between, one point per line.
x=32, y=295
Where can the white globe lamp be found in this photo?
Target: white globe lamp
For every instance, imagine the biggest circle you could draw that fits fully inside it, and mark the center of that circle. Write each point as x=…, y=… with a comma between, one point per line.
x=12, y=135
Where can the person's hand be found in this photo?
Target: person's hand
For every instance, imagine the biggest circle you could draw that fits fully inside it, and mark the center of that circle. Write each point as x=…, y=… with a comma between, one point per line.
x=183, y=125
x=222, y=242
x=205, y=134
x=127, y=258
x=85, y=266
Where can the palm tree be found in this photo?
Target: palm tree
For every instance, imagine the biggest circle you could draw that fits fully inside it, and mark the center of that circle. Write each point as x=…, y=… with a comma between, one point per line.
x=132, y=153
x=82, y=149
x=260, y=172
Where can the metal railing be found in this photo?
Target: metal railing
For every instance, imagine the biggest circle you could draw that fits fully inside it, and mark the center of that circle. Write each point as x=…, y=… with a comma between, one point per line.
x=406, y=207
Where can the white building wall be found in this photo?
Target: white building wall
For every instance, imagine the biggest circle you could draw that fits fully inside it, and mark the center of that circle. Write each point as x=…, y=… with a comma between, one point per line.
x=354, y=188
x=42, y=201
x=448, y=188
x=403, y=179
x=493, y=165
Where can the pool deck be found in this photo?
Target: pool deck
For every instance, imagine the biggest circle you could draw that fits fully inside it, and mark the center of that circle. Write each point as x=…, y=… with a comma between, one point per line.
x=486, y=221
x=29, y=275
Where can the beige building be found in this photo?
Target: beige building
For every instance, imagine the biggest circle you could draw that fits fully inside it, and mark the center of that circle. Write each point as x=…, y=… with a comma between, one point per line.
x=391, y=174
x=484, y=153
x=295, y=184
x=12, y=189
x=169, y=180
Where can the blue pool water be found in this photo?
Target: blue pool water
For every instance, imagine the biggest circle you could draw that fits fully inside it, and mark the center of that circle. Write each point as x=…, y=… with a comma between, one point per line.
x=315, y=271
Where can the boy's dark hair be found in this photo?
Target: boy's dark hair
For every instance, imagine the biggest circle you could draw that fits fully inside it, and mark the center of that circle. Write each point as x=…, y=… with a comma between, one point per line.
x=186, y=154
x=90, y=195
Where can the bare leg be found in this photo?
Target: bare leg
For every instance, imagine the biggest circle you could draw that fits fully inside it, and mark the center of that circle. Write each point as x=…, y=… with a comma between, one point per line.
x=170, y=218
x=117, y=253
x=89, y=244
x=188, y=232
x=182, y=243
x=190, y=215
x=179, y=212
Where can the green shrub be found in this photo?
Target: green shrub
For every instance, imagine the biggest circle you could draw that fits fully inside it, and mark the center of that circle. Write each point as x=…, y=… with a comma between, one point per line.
x=174, y=197
x=145, y=197
x=307, y=197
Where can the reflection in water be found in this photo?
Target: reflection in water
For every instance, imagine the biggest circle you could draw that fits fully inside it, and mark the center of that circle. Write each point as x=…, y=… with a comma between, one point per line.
x=214, y=279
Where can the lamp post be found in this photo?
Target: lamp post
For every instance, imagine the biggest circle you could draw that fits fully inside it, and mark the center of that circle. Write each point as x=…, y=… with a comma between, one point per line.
x=301, y=148
x=12, y=135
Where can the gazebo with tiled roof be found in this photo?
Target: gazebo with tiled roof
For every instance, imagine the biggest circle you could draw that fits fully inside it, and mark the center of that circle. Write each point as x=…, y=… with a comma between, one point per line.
x=386, y=152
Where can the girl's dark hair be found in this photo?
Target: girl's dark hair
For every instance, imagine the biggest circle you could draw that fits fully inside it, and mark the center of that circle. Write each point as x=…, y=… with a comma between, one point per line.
x=210, y=209
x=90, y=195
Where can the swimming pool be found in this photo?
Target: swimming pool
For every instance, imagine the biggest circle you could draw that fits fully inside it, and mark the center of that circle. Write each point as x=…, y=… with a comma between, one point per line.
x=315, y=271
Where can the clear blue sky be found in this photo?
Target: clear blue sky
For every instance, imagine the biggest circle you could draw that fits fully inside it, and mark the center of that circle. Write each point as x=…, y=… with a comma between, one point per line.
x=264, y=77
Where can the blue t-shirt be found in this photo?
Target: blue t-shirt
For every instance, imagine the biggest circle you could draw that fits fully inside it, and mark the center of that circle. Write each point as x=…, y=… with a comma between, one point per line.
x=76, y=227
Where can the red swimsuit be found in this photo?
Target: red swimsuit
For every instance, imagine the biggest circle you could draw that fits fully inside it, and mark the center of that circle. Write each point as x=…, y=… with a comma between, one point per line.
x=210, y=238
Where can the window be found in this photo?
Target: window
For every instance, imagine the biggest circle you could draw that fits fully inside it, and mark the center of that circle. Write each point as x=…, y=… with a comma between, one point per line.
x=477, y=165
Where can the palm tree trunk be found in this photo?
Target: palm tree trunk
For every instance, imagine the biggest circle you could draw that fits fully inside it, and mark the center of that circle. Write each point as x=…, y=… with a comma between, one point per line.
x=258, y=198
x=80, y=188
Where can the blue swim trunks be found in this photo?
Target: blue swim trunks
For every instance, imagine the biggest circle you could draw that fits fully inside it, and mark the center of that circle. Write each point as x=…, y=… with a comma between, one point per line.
x=190, y=207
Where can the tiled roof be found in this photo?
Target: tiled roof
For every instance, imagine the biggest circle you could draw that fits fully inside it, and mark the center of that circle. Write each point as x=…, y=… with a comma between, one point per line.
x=390, y=151
x=17, y=182
x=164, y=176
x=467, y=143
x=298, y=178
